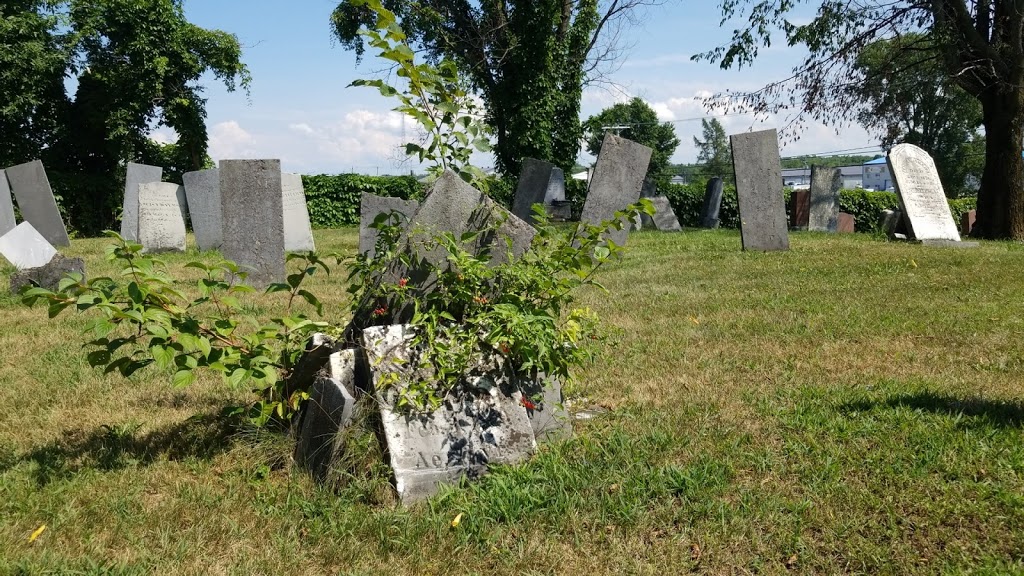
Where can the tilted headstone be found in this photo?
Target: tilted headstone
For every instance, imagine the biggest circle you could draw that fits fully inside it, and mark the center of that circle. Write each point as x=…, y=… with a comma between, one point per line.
x=618, y=178
x=202, y=189
x=664, y=218
x=161, y=227
x=556, y=187
x=26, y=248
x=328, y=412
x=298, y=234
x=846, y=223
x=649, y=189
x=48, y=275
x=7, y=222
x=253, y=230
x=36, y=202
x=920, y=194
x=825, y=186
x=534, y=181
x=758, y=170
x=371, y=206
x=135, y=174
x=712, y=204
x=800, y=209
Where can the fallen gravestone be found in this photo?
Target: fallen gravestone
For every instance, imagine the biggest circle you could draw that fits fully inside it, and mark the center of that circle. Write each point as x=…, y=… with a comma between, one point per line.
x=846, y=223
x=298, y=234
x=36, y=202
x=158, y=216
x=253, y=218
x=26, y=248
x=534, y=182
x=202, y=188
x=135, y=174
x=712, y=204
x=919, y=190
x=371, y=206
x=618, y=179
x=7, y=222
x=800, y=209
x=664, y=218
x=824, y=209
x=328, y=412
x=48, y=275
x=758, y=172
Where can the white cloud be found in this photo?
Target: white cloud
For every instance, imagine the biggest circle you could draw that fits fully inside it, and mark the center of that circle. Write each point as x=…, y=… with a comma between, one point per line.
x=164, y=136
x=230, y=140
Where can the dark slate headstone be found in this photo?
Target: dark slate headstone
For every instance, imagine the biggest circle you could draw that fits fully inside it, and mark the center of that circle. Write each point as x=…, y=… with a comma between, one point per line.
x=712, y=204
x=202, y=189
x=967, y=222
x=36, y=202
x=136, y=174
x=556, y=187
x=846, y=223
x=892, y=224
x=371, y=206
x=758, y=169
x=649, y=189
x=618, y=177
x=534, y=181
x=825, y=186
x=7, y=222
x=328, y=412
x=253, y=217
x=799, y=209
x=48, y=275
x=664, y=218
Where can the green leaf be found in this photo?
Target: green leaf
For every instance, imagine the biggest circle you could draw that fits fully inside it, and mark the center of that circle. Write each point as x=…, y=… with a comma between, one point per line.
x=183, y=378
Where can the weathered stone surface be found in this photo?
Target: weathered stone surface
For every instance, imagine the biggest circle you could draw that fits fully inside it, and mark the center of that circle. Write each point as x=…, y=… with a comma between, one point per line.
x=7, y=222
x=202, y=189
x=892, y=224
x=472, y=429
x=556, y=187
x=136, y=174
x=649, y=189
x=253, y=217
x=712, y=204
x=371, y=206
x=328, y=412
x=920, y=193
x=534, y=180
x=799, y=209
x=161, y=228
x=966, y=222
x=824, y=209
x=618, y=178
x=36, y=203
x=316, y=355
x=559, y=210
x=548, y=417
x=758, y=170
x=846, y=223
x=26, y=248
x=49, y=275
x=298, y=234
x=664, y=218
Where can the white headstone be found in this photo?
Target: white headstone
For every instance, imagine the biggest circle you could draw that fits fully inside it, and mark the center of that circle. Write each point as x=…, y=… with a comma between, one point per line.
x=298, y=235
x=135, y=174
x=7, y=222
x=920, y=194
x=202, y=189
x=26, y=248
x=161, y=228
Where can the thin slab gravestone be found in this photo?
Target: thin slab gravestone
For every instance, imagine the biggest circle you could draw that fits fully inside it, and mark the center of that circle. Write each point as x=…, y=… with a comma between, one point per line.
x=7, y=221
x=919, y=190
x=967, y=221
x=758, y=170
x=712, y=204
x=664, y=218
x=36, y=202
x=26, y=248
x=800, y=209
x=202, y=188
x=556, y=187
x=825, y=186
x=534, y=182
x=135, y=174
x=328, y=412
x=161, y=227
x=253, y=217
x=618, y=178
x=371, y=206
x=298, y=234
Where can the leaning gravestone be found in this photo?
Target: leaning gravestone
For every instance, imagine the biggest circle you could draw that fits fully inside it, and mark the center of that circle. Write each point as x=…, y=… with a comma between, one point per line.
x=371, y=206
x=712, y=204
x=136, y=174
x=26, y=248
x=758, y=170
x=534, y=182
x=161, y=227
x=7, y=222
x=328, y=412
x=253, y=229
x=825, y=186
x=618, y=178
x=35, y=200
x=298, y=234
x=919, y=190
x=664, y=218
x=202, y=189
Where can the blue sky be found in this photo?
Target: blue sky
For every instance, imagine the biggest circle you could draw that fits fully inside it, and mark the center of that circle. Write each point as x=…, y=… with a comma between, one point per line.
x=301, y=111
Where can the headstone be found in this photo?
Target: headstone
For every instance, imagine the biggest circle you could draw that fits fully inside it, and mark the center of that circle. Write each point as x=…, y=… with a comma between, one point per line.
x=161, y=228
x=649, y=189
x=800, y=209
x=471, y=429
x=534, y=181
x=136, y=174
x=758, y=172
x=712, y=204
x=966, y=222
x=892, y=225
x=618, y=177
x=846, y=223
x=920, y=194
x=202, y=189
x=36, y=203
x=316, y=355
x=328, y=412
x=48, y=275
x=664, y=218
x=545, y=407
x=298, y=234
x=26, y=248
x=7, y=222
x=253, y=217
x=556, y=187
x=371, y=206
x=825, y=186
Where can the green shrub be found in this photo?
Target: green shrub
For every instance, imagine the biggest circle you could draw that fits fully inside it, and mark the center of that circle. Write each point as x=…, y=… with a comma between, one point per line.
x=333, y=201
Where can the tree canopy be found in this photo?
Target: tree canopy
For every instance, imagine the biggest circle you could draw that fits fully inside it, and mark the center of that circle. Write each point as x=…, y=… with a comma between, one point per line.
x=638, y=122
x=714, y=154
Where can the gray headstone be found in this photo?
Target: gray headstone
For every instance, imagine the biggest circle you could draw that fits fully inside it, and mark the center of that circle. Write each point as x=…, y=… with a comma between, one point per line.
x=7, y=222
x=316, y=355
x=618, y=178
x=253, y=230
x=202, y=189
x=920, y=194
x=298, y=234
x=712, y=204
x=649, y=189
x=546, y=410
x=328, y=412
x=161, y=228
x=534, y=181
x=136, y=174
x=26, y=248
x=664, y=218
x=49, y=275
x=371, y=206
x=758, y=170
x=36, y=202
x=825, y=186
x=470, y=430
x=556, y=187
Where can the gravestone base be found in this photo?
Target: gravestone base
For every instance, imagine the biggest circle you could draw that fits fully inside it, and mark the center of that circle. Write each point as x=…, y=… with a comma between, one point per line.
x=943, y=243
x=47, y=276
x=559, y=211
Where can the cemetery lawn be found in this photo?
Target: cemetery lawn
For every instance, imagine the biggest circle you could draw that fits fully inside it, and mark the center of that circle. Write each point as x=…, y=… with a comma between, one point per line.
x=849, y=406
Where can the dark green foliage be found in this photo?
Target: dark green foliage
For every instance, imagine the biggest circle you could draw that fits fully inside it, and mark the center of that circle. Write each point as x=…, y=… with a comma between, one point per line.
x=714, y=154
x=333, y=201
x=642, y=127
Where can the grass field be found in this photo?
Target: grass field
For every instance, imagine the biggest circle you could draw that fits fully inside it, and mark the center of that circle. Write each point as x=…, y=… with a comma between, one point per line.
x=849, y=406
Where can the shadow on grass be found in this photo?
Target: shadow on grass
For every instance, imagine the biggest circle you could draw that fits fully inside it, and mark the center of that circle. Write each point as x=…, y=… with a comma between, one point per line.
x=989, y=413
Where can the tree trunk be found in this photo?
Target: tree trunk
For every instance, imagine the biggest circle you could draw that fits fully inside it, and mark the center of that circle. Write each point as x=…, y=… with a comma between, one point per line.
x=1001, y=197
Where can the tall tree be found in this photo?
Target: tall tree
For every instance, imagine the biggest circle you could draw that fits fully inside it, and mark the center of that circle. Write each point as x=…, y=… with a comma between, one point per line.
x=714, y=152
x=528, y=59
x=978, y=43
x=638, y=122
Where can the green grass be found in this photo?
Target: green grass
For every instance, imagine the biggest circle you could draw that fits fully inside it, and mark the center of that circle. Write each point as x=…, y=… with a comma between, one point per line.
x=850, y=406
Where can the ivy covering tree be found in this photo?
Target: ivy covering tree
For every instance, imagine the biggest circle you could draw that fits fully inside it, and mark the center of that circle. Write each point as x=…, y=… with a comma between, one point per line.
x=638, y=122
x=714, y=153
x=977, y=44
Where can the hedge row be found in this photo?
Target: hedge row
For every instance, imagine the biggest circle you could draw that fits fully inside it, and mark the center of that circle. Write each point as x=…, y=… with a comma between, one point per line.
x=333, y=201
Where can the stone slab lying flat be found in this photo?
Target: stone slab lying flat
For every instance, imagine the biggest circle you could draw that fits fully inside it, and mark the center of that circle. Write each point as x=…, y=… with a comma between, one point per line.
x=36, y=202
x=824, y=210
x=161, y=228
x=49, y=275
x=618, y=178
x=298, y=234
x=758, y=169
x=919, y=190
x=136, y=174
x=253, y=218
x=371, y=206
x=328, y=412
x=202, y=188
x=26, y=248
x=7, y=222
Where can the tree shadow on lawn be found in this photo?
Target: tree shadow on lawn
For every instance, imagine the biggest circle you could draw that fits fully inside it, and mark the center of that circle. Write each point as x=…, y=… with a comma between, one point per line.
x=982, y=412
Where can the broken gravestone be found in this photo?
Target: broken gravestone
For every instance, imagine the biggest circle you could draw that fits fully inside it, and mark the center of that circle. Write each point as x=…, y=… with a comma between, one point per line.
x=758, y=170
x=545, y=407
x=36, y=202
x=664, y=218
x=370, y=207
x=328, y=412
x=618, y=178
x=48, y=275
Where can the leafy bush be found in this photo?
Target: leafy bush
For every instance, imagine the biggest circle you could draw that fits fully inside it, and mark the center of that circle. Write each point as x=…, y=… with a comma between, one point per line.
x=333, y=201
